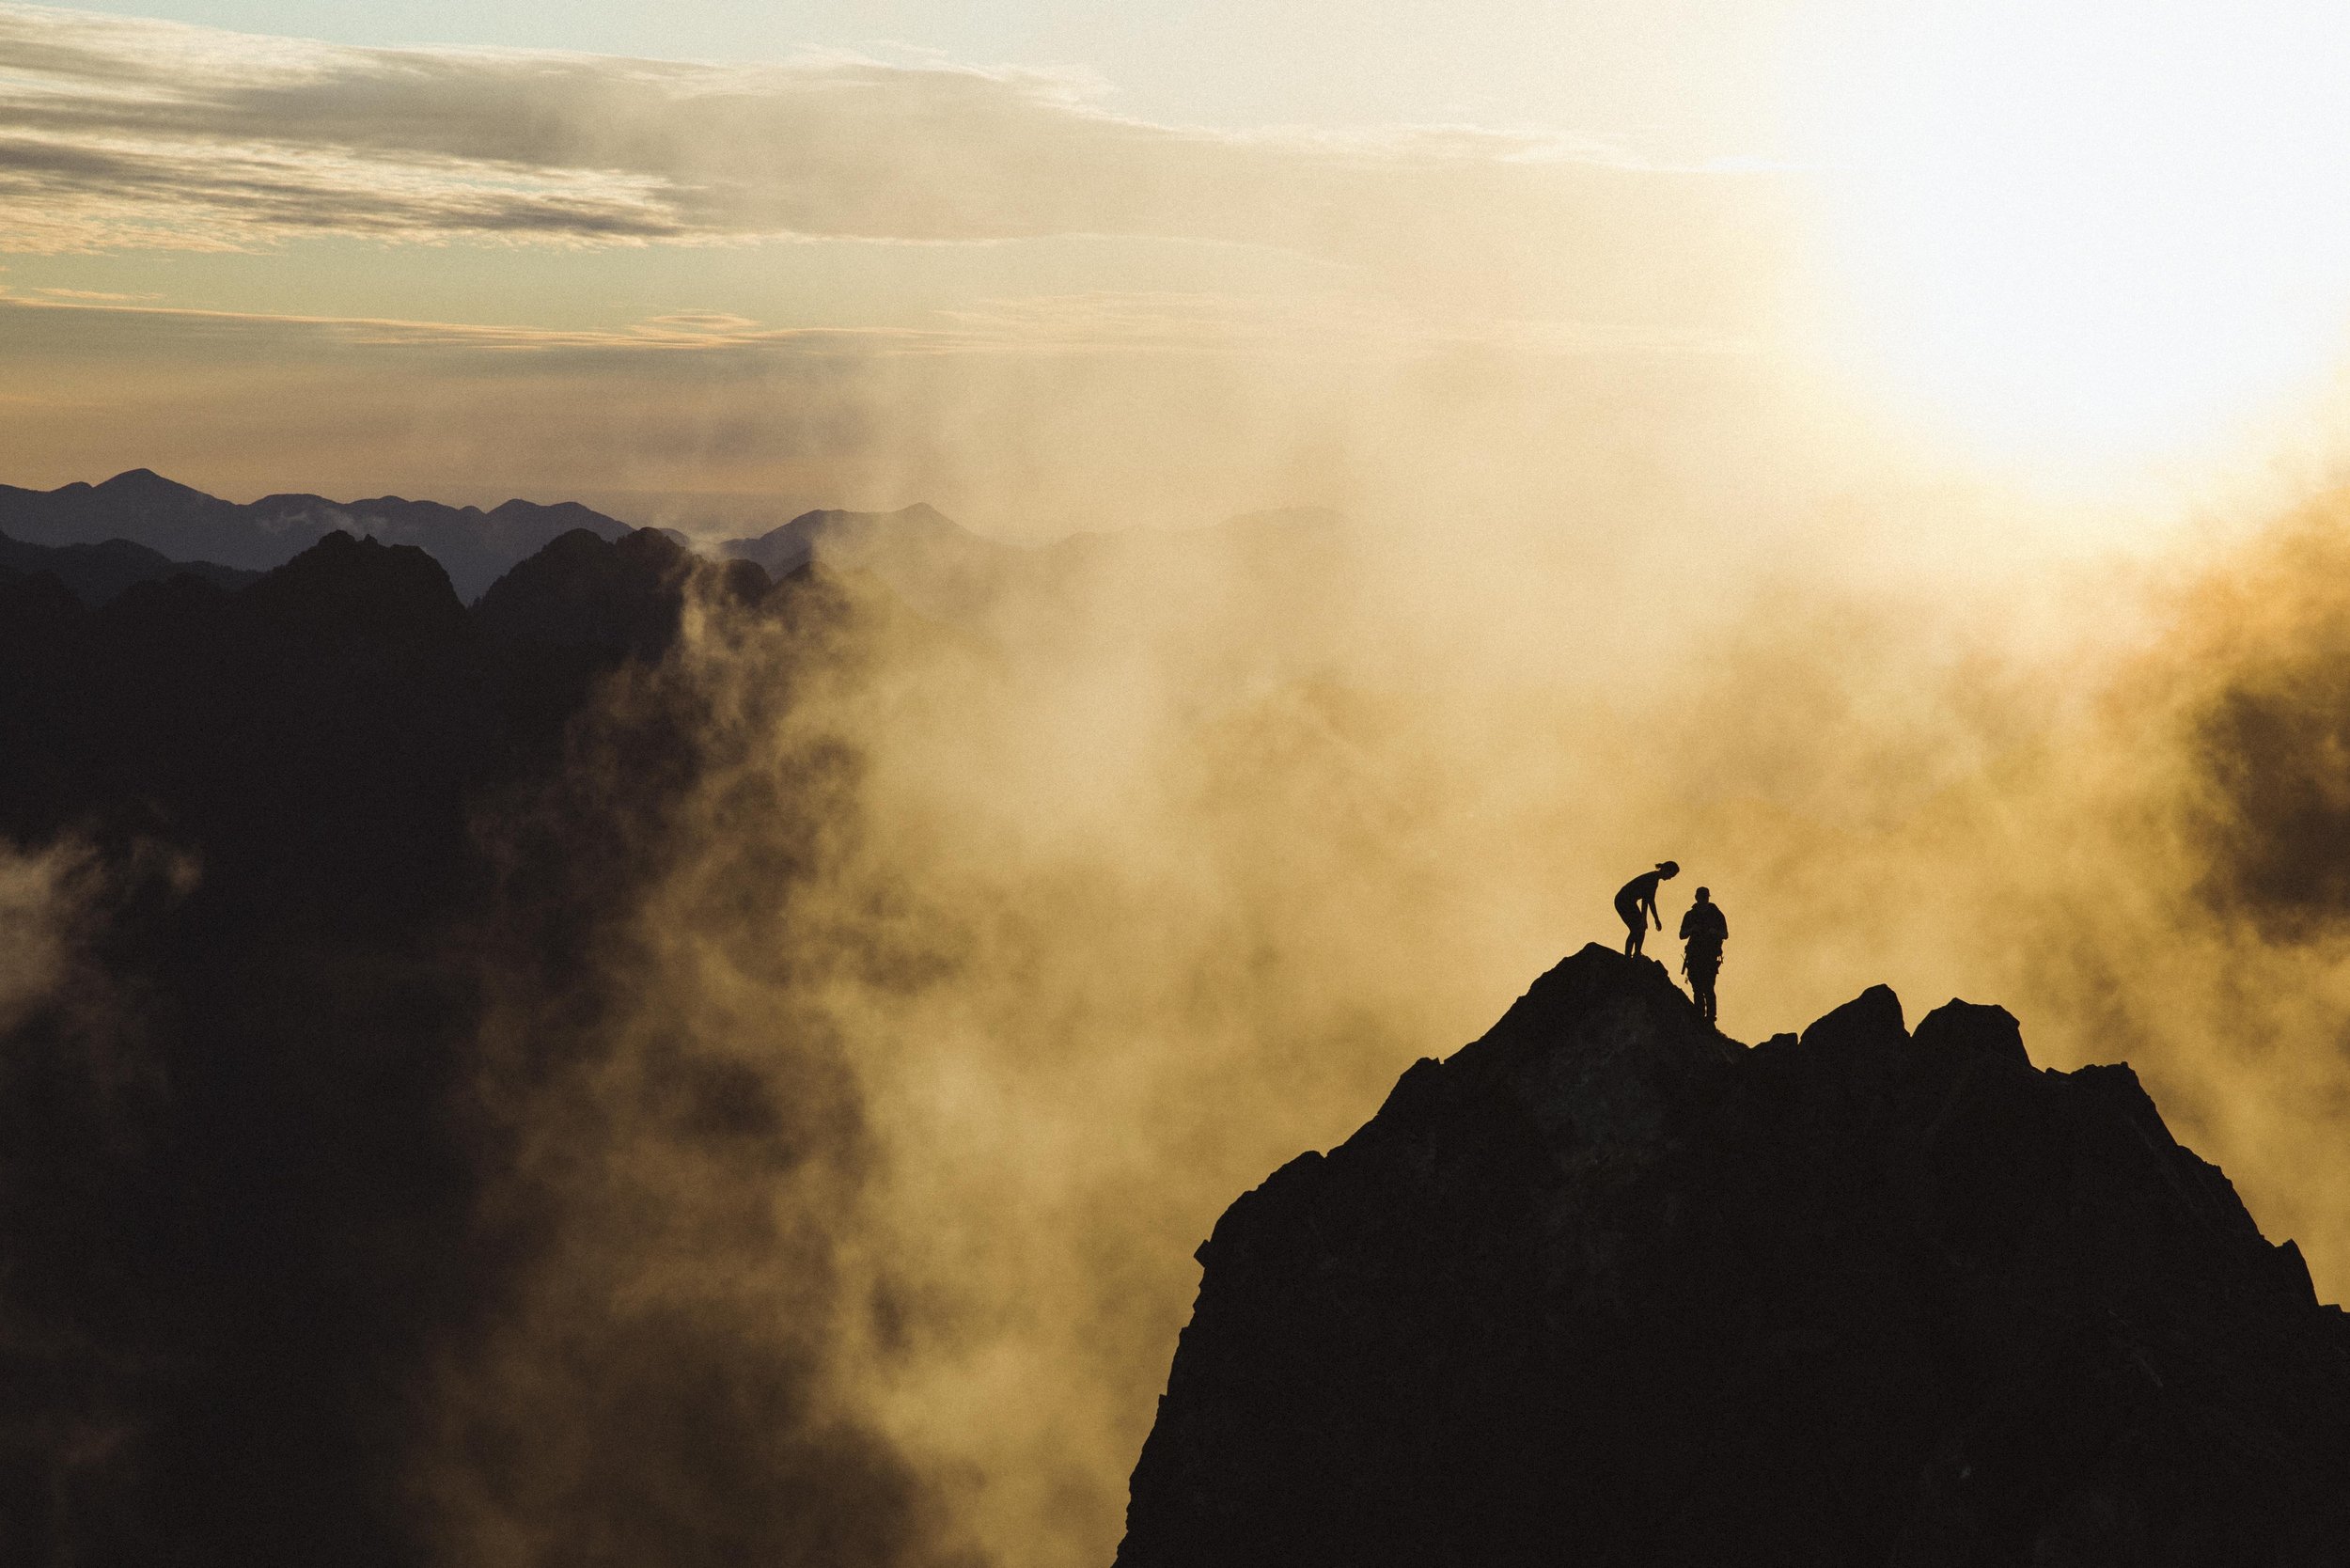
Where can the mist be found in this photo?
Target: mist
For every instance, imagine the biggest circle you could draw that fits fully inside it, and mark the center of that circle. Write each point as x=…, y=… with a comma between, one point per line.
x=950, y=998
x=33, y=931
x=794, y=1146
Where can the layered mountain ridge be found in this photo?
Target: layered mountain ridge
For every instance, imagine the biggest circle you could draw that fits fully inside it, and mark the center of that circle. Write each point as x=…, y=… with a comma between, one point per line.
x=97, y=573
x=141, y=527
x=475, y=547
x=1605, y=1287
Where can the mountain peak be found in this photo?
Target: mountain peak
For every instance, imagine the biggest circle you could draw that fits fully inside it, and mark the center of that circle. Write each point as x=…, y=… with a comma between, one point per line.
x=344, y=587
x=515, y=507
x=145, y=483
x=1606, y=1284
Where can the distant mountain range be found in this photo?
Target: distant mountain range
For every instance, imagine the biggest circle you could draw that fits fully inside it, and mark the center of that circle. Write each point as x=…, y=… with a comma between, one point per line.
x=474, y=547
x=139, y=527
x=99, y=573
x=853, y=538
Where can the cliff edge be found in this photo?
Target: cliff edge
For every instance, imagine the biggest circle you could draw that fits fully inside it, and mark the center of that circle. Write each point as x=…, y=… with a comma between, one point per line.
x=1605, y=1287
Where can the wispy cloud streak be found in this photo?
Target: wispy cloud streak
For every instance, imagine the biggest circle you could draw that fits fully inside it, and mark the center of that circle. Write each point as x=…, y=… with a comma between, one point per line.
x=120, y=133
x=1094, y=322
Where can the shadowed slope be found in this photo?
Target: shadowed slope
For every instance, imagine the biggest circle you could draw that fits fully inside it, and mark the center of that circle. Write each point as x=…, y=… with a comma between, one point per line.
x=1607, y=1287
x=243, y=1158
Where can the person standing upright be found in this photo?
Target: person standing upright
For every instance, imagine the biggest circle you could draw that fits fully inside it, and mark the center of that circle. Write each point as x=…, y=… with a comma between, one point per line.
x=1635, y=905
x=1703, y=929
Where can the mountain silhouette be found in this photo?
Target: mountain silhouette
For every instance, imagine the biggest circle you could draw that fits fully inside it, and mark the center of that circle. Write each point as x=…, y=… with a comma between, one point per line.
x=1602, y=1287
x=924, y=557
x=856, y=539
x=257, y=1189
x=99, y=573
x=928, y=561
x=240, y=1176
x=1607, y=1287
x=475, y=547
x=582, y=590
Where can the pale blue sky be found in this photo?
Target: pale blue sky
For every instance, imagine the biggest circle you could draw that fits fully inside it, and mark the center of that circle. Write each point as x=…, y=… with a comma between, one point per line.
x=1674, y=77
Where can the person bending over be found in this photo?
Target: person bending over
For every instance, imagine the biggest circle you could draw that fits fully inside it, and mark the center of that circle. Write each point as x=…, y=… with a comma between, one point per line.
x=1635, y=903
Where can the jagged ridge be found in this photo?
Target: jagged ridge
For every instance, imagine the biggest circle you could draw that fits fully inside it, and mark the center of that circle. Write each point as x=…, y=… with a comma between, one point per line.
x=143, y=508
x=1605, y=1287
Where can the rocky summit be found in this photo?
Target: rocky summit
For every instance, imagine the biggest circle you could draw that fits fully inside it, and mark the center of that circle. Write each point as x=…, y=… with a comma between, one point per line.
x=1605, y=1287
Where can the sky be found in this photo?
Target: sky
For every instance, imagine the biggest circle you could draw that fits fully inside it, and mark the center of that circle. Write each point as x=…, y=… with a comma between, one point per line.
x=706, y=260
x=1679, y=72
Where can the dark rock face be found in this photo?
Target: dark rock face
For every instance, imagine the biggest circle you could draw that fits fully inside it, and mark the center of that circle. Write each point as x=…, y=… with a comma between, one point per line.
x=1605, y=1287
x=239, y=1183
x=625, y=597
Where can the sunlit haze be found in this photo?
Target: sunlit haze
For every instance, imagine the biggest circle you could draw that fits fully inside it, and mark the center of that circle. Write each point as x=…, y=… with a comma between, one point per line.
x=2011, y=247
x=2074, y=245
x=1398, y=469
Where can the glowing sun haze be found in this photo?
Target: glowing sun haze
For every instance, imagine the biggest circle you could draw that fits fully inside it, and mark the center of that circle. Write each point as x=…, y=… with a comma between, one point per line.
x=2082, y=240
x=1717, y=394
x=707, y=261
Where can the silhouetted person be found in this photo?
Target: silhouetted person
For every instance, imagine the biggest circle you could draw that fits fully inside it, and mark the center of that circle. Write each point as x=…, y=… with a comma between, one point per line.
x=1635, y=905
x=1703, y=930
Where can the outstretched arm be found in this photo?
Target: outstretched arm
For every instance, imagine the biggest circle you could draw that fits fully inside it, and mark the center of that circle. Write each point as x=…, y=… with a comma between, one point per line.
x=1655, y=916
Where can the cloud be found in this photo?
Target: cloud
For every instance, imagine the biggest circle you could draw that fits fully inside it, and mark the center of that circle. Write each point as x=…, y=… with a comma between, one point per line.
x=1093, y=322
x=1025, y=419
x=36, y=917
x=1166, y=869
x=117, y=132
x=96, y=296
x=69, y=307
x=56, y=899
x=142, y=195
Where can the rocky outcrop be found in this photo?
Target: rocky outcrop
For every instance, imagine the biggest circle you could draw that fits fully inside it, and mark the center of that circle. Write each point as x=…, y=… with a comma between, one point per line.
x=1605, y=1287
